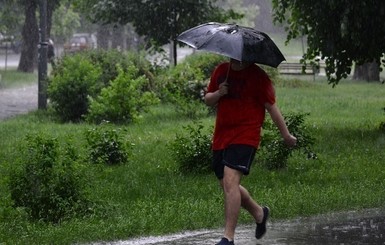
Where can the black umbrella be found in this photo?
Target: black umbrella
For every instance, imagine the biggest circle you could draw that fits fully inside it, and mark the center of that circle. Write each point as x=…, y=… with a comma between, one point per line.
x=237, y=42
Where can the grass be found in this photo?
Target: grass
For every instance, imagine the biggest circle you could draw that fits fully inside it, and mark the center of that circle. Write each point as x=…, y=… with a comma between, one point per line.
x=147, y=196
x=12, y=78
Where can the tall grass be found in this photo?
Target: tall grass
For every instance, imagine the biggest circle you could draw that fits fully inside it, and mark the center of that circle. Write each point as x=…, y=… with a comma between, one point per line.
x=147, y=196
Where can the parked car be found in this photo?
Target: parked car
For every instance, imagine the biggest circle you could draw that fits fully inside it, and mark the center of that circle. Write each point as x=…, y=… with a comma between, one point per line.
x=9, y=42
x=80, y=42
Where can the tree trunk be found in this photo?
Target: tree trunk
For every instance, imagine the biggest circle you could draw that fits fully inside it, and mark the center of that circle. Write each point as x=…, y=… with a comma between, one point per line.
x=30, y=37
x=368, y=71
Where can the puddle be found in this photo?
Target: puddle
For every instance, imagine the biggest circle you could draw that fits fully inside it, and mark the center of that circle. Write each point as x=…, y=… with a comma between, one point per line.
x=355, y=227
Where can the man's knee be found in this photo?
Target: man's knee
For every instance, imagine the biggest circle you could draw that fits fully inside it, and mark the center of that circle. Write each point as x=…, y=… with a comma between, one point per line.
x=231, y=178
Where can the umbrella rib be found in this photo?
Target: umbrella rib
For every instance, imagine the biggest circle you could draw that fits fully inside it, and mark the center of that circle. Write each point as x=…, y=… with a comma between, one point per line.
x=206, y=41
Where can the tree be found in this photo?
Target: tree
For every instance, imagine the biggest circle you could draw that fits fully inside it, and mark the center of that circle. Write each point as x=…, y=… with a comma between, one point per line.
x=30, y=37
x=64, y=22
x=158, y=21
x=249, y=10
x=340, y=32
x=30, y=32
x=11, y=18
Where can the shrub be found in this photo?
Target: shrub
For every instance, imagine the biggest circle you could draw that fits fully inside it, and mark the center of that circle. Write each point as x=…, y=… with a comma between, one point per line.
x=184, y=84
x=106, y=145
x=73, y=82
x=110, y=60
x=49, y=183
x=274, y=153
x=205, y=62
x=123, y=100
x=193, y=152
x=71, y=87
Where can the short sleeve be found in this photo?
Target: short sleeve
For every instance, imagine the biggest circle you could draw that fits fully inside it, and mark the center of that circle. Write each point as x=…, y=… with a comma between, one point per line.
x=267, y=91
x=216, y=77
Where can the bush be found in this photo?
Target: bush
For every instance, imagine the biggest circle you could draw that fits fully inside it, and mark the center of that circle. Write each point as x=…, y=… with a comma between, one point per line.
x=205, y=62
x=123, y=100
x=74, y=81
x=273, y=152
x=78, y=77
x=48, y=183
x=110, y=60
x=184, y=84
x=193, y=152
x=106, y=145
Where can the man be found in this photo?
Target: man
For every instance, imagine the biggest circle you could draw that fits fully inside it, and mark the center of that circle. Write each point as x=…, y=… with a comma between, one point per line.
x=242, y=92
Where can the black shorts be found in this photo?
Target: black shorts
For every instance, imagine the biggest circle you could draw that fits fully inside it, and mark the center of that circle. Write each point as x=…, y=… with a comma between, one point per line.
x=236, y=156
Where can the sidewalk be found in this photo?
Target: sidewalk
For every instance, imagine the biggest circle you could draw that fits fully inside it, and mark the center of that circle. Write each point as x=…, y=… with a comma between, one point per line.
x=14, y=101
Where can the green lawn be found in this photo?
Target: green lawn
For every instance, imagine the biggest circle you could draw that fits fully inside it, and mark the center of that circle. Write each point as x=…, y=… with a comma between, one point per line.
x=147, y=196
x=13, y=78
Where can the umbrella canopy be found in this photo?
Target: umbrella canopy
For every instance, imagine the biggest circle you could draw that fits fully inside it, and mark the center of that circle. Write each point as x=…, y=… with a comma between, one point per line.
x=237, y=42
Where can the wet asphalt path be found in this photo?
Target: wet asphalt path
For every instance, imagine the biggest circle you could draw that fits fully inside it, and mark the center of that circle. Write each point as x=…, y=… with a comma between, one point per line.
x=15, y=101
x=354, y=227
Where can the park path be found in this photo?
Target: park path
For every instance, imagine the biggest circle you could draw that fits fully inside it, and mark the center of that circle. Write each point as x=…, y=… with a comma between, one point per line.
x=351, y=227
x=19, y=100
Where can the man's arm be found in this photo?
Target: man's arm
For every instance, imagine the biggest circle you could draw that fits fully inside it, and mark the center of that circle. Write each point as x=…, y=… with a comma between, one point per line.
x=211, y=99
x=279, y=121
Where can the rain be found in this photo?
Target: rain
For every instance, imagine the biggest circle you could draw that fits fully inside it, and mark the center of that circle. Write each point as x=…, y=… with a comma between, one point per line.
x=71, y=31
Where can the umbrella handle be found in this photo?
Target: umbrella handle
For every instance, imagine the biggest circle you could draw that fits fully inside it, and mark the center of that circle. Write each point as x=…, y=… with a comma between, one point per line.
x=228, y=71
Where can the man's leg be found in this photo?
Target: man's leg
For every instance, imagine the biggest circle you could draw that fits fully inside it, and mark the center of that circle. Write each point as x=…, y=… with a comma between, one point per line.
x=232, y=192
x=250, y=205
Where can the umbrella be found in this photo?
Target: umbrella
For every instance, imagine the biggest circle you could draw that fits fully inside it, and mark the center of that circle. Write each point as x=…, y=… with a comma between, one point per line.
x=237, y=42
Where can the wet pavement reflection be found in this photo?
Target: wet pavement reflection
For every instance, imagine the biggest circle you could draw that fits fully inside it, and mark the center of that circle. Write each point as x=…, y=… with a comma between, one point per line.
x=354, y=227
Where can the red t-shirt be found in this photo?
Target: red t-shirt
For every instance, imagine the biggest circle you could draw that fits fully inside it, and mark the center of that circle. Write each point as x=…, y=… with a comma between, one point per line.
x=240, y=113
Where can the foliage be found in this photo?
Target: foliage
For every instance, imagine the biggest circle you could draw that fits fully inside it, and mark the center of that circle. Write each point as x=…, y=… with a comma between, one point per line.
x=107, y=145
x=65, y=22
x=49, y=183
x=79, y=78
x=11, y=17
x=123, y=100
x=249, y=11
x=205, y=62
x=184, y=84
x=110, y=61
x=173, y=16
x=193, y=152
x=337, y=31
x=73, y=82
x=273, y=151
